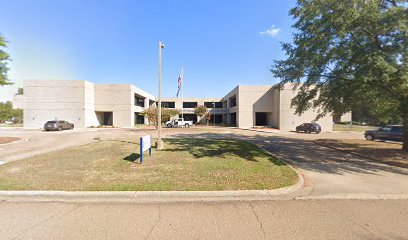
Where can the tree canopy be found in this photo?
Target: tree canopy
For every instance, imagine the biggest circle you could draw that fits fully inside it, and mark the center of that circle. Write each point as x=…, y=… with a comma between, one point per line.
x=4, y=59
x=166, y=114
x=348, y=54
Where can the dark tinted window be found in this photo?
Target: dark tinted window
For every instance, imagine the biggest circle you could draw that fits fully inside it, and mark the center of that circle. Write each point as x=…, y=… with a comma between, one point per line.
x=168, y=105
x=396, y=129
x=211, y=104
x=189, y=104
x=61, y=121
x=51, y=122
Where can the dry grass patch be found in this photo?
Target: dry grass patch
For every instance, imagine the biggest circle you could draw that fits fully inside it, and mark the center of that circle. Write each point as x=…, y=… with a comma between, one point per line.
x=185, y=164
x=383, y=152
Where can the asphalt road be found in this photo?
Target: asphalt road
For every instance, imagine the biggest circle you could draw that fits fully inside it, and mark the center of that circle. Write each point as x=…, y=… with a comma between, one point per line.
x=290, y=219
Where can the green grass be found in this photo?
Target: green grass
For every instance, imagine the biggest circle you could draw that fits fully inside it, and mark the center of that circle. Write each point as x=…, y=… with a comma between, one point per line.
x=184, y=164
x=355, y=128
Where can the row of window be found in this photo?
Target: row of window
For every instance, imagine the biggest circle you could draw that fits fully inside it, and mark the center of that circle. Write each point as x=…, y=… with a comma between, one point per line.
x=192, y=104
x=140, y=102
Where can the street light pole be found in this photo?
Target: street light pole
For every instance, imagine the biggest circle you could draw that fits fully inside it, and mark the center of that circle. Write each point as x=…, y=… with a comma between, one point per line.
x=159, y=143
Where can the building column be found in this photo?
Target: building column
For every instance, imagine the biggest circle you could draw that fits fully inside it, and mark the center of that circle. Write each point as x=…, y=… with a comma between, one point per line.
x=146, y=106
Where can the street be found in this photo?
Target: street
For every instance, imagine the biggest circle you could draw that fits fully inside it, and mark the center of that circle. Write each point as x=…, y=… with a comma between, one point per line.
x=287, y=219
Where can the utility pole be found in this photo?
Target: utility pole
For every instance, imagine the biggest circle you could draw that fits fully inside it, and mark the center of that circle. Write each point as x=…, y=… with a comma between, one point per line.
x=159, y=143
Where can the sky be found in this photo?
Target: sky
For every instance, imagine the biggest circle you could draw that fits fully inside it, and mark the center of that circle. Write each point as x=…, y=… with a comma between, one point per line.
x=220, y=43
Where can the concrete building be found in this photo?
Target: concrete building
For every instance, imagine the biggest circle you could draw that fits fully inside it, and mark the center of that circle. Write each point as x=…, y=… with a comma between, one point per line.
x=83, y=103
x=187, y=106
x=86, y=104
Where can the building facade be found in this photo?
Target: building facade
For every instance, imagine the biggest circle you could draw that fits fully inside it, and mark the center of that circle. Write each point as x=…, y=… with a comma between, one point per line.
x=86, y=104
x=83, y=103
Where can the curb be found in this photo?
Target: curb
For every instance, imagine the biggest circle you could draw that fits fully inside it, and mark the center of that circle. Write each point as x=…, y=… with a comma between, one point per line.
x=148, y=196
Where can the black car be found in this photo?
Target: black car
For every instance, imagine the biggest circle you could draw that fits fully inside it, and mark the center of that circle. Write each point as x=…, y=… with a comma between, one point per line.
x=309, y=127
x=58, y=125
x=392, y=133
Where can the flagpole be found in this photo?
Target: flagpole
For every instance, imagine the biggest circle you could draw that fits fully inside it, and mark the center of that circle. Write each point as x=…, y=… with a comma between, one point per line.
x=182, y=92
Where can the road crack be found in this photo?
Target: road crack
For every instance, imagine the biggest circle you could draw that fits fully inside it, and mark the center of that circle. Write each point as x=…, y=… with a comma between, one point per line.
x=257, y=218
x=155, y=224
x=45, y=220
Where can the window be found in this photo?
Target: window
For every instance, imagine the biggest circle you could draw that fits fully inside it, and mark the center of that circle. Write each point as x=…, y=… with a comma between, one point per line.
x=211, y=104
x=189, y=104
x=139, y=101
x=396, y=129
x=208, y=104
x=168, y=105
x=233, y=102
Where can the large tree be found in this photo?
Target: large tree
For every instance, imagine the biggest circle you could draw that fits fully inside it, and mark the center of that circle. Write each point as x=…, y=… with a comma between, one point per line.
x=4, y=59
x=348, y=54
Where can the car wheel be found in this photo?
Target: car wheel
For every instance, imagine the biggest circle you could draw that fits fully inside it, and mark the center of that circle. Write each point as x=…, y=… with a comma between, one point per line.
x=318, y=131
x=169, y=125
x=370, y=137
x=187, y=125
x=72, y=126
x=59, y=128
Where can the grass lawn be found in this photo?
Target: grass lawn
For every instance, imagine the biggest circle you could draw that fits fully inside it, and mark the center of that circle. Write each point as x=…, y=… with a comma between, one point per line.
x=185, y=164
x=356, y=128
x=4, y=140
x=383, y=152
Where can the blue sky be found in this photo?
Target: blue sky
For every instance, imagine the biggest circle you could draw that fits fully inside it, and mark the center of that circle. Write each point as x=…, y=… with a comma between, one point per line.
x=220, y=43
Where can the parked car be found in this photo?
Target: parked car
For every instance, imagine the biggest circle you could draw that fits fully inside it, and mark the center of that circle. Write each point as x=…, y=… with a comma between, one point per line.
x=309, y=127
x=58, y=125
x=179, y=122
x=391, y=132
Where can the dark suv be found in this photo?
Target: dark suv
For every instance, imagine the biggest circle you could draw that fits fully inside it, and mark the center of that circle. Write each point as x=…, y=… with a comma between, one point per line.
x=58, y=125
x=309, y=127
x=392, y=133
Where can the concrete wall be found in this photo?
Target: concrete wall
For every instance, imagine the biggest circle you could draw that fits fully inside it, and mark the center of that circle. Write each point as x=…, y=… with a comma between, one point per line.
x=254, y=99
x=90, y=115
x=46, y=100
x=116, y=98
x=288, y=120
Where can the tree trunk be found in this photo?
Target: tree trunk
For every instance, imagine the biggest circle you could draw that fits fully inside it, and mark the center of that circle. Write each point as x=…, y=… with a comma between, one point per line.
x=404, y=115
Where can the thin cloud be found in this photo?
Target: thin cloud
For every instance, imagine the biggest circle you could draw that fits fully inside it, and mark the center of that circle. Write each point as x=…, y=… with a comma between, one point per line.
x=271, y=32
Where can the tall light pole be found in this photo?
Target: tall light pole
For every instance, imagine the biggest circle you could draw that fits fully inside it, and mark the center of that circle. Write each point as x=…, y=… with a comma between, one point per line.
x=159, y=143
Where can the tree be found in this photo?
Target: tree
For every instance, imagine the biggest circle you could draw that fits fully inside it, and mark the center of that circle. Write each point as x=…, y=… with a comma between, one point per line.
x=349, y=54
x=166, y=114
x=7, y=113
x=202, y=111
x=20, y=91
x=4, y=59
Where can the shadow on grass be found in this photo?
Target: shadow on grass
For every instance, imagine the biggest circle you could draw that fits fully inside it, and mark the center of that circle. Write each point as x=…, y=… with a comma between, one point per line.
x=221, y=148
x=132, y=157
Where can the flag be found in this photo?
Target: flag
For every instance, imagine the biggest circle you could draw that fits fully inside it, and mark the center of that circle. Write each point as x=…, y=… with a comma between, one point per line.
x=179, y=81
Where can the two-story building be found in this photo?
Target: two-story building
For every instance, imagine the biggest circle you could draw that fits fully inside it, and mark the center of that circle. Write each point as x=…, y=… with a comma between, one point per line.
x=87, y=104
